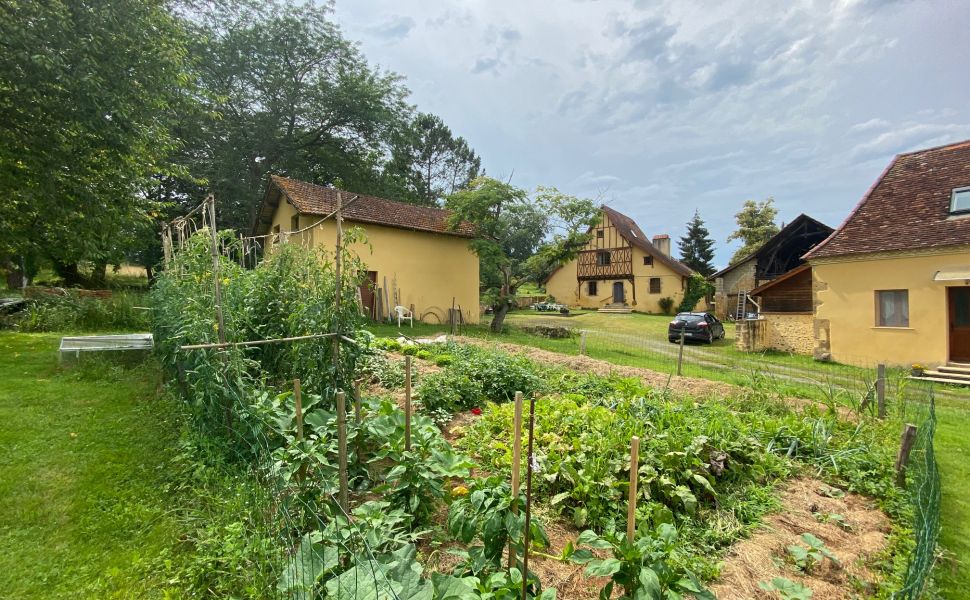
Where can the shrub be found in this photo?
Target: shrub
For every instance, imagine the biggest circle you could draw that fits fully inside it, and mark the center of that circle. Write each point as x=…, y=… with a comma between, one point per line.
x=449, y=390
x=697, y=287
x=73, y=313
x=666, y=305
x=409, y=350
x=422, y=354
x=443, y=360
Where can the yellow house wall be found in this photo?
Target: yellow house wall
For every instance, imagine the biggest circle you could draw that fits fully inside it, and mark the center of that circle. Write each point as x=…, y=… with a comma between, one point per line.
x=428, y=269
x=845, y=308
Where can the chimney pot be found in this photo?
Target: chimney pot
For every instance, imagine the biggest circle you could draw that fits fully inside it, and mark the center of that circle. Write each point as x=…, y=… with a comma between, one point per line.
x=662, y=243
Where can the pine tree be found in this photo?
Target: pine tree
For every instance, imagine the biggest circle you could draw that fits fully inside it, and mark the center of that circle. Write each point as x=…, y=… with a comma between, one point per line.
x=697, y=247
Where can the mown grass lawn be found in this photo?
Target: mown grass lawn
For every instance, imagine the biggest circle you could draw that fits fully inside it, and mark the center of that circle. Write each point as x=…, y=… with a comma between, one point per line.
x=82, y=456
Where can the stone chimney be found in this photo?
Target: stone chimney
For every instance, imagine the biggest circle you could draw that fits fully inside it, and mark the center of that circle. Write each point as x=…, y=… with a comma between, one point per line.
x=662, y=242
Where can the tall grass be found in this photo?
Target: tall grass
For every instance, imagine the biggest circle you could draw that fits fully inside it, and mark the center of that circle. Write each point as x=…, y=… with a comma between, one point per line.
x=72, y=313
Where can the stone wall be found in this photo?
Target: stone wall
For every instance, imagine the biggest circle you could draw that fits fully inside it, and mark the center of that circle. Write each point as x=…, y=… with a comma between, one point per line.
x=785, y=332
x=790, y=332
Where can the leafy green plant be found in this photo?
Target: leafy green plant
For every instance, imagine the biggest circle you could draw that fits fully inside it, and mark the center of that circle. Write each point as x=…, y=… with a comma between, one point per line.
x=648, y=568
x=443, y=360
x=786, y=589
x=810, y=554
x=423, y=354
x=486, y=517
x=415, y=482
x=666, y=305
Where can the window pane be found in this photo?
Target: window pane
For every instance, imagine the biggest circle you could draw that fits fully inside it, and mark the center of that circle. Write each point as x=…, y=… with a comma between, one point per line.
x=893, y=308
x=654, y=285
x=961, y=200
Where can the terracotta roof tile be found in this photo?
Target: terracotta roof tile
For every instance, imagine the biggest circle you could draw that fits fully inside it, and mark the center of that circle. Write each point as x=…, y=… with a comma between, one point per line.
x=908, y=207
x=312, y=199
x=632, y=233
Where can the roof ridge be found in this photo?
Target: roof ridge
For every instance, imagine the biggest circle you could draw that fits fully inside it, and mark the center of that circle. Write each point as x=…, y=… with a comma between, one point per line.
x=949, y=146
x=344, y=191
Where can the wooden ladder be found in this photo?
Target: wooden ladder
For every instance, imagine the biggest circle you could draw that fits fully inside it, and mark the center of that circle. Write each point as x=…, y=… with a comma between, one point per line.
x=739, y=311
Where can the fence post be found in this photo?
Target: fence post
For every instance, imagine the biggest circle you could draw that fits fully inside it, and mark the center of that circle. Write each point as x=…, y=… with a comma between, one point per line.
x=631, y=513
x=407, y=402
x=342, y=449
x=881, y=389
x=905, y=447
x=582, y=342
x=516, y=464
x=680, y=354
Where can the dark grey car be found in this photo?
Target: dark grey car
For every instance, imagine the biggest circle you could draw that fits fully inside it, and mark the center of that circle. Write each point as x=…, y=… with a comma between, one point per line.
x=703, y=327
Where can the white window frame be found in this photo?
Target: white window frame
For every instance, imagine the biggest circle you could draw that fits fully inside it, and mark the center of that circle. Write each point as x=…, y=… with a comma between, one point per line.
x=960, y=191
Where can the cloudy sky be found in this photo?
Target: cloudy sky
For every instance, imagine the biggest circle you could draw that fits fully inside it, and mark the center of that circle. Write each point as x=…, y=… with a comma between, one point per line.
x=661, y=107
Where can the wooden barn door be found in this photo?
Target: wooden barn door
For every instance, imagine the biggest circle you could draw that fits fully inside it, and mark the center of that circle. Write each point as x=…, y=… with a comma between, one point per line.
x=959, y=301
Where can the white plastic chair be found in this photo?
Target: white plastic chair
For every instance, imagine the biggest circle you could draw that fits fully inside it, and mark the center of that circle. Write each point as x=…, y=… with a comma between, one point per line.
x=403, y=314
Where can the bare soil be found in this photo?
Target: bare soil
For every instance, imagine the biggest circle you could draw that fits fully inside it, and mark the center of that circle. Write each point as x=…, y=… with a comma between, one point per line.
x=805, y=501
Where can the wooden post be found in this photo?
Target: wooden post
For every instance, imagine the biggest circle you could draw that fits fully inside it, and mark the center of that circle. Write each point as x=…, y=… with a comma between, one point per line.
x=342, y=450
x=631, y=511
x=582, y=342
x=516, y=464
x=680, y=354
x=881, y=389
x=528, y=500
x=298, y=398
x=905, y=447
x=407, y=402
x=338, y=281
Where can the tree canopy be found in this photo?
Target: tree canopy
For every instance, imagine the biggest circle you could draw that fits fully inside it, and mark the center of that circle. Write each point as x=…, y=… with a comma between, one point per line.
x=756, y=225
x=697, y=247
x=521, y=239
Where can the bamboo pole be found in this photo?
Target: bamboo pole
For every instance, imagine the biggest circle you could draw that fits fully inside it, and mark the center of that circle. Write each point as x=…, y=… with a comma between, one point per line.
x=516, y=464
x=530, y=457
x=259, y=342
x=217, y=290
x=298, y=399
x=631, y=512
x=881, y=389
x=407, y=402
x=342, y=450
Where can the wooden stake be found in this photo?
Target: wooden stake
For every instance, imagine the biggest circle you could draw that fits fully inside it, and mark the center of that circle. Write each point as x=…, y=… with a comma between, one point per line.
x=582, y=342
x=881, y=389
x=298, y=398
x=217, y=290
x=528, y=500
x=357, y=417
x=516, y=464
x=631, y=511
x=905, y=447
x=342, y=450
x=339, y=289
x=407, y=402
x=680, y=354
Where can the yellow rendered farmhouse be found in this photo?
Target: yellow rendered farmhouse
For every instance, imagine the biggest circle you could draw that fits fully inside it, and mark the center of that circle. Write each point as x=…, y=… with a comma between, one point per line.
x=620, y=270
x=892, y=283
x=413, y=258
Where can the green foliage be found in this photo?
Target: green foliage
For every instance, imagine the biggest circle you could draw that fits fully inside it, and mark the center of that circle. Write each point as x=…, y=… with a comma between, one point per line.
x=416, y=480
x=810, y=553
x=697, y=287
x=73, y=313
x=756, y=225
x=443, y=360
x=477, y=376
x=422, y=354
x=697, y=247
x=429, y=162
x=486, y=517
x=649, y=568
x=513, y=242
x=786, y=589
x=88, y=92
x=666, y=305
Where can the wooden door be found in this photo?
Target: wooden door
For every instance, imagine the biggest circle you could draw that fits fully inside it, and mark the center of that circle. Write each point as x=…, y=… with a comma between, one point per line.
x=959, y=301
x=367, y=293
x=618, y=291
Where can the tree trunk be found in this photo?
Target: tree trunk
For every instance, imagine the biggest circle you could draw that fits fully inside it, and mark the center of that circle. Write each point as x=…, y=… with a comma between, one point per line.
x=150, y=273
x=70, y=273
x=498, y=318
x=99, y=276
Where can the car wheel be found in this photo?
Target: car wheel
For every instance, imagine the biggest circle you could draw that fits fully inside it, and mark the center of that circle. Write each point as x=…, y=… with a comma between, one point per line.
x=710, y=338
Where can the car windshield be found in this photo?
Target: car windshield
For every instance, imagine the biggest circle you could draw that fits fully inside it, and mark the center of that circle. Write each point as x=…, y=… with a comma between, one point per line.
x=690, y=318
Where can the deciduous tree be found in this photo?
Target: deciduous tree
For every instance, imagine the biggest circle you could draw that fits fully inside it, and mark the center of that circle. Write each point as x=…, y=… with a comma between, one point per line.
x=520, y=239
x=756, y=225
